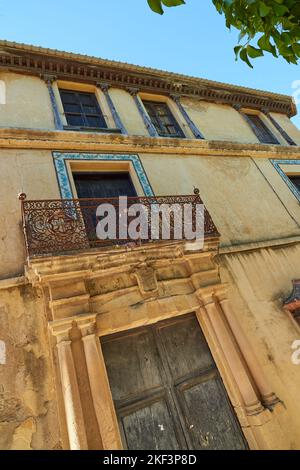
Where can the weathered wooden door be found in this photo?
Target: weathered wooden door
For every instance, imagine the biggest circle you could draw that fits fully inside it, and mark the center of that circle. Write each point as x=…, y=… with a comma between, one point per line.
x=167, y=391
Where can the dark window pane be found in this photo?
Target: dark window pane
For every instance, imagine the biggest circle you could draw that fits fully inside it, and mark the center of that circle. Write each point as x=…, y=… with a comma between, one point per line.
x=162, y=119
x=296, y=181
x=82, y=109
x=72, y=108
x=68, y=97
x=260, y=129
x=90, y=110
x=94, y=121
x=75, y=120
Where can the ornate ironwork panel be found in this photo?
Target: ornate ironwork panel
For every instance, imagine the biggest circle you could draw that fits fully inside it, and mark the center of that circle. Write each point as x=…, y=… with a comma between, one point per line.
x=66, y=225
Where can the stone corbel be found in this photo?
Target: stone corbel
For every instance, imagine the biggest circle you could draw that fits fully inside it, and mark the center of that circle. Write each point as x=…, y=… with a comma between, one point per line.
x=189, y=121
x=49, y=79
x=147, y=121
x=118, y=122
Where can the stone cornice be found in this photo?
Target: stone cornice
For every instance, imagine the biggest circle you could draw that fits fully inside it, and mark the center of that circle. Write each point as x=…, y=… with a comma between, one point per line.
x=116, y=143
x=67, y=66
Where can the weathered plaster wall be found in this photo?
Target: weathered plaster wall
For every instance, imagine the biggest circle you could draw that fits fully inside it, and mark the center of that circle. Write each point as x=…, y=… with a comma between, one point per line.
x=28, y=410
x=21, y=171
x=259, y=283
x=128, y=112
x=240, y=198
x=219, y=122
x=27, y=103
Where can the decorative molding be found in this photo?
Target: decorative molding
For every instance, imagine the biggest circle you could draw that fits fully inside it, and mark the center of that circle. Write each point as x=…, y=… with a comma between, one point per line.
x=49, y=79
x=80, y=68
x=283, y=133
x=189, y=121
x=147, y=121
x=60, y=160
x=276, y=164
x=105, y=88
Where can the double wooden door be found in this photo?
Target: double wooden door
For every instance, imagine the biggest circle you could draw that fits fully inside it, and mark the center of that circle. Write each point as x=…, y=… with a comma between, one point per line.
x=167, y=391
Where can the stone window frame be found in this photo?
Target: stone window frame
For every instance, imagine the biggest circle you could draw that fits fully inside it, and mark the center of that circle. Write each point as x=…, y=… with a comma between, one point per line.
x=278, y=164
x=266, y=121
x=105, y=103
x=64, y=170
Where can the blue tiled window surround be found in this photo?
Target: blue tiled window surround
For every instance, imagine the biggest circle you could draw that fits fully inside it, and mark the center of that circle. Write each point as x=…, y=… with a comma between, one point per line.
x=65, y=187
x=277, y=163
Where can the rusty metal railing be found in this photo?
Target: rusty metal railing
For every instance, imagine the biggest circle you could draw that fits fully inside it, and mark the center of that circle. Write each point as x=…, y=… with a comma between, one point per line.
x=53, y=227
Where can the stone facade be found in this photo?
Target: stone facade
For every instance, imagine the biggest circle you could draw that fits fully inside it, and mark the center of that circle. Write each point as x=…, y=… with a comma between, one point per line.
x=54, y=308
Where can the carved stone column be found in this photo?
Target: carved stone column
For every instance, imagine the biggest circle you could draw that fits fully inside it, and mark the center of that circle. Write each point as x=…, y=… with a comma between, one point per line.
x=248, y=393
x=70, y=392
x=147, y=121
x=268, y=397
x=102, y=399
x=49, y=79
x=105, y=88
x=189, y=121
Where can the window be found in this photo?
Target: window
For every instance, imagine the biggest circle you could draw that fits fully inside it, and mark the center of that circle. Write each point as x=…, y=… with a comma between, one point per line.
x=103, y=185
x=260, y=129
x=162, y=119
x=82, y=109
x=296, y=181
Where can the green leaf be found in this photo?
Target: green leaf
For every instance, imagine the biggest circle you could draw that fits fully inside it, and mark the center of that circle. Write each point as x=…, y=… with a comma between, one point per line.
x=245, y=58
x=264, y=10
x=155, y=5
x=253, y=52
x=236, y=51
x=173, y=3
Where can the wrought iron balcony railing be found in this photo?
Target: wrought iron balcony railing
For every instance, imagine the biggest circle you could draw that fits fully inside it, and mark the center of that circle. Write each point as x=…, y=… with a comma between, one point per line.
x=53, y=227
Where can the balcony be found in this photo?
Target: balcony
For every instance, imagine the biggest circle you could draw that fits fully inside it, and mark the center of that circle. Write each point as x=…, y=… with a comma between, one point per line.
x=62, y=226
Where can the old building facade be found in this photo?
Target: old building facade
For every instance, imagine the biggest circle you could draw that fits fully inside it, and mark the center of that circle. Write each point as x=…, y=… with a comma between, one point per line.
x=146, y=345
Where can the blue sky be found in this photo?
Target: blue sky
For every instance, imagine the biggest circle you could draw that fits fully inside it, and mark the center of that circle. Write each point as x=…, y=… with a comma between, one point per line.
x=191, y=39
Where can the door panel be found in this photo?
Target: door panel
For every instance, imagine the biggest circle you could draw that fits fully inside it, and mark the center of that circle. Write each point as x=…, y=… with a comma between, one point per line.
x=132, y=363
x=208, y=414
x=150, y=427
x=167, y=390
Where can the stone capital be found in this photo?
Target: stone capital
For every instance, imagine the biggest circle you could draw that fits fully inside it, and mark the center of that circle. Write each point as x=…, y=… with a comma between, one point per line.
x=103, y=86
x=48, y=78
x=133, y=91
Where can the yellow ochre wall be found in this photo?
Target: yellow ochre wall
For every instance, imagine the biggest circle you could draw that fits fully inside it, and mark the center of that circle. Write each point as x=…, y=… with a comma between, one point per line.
x=250, y=204
x=28, y=106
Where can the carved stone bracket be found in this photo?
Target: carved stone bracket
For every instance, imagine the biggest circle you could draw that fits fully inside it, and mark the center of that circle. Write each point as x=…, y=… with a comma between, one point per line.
x=147, y=280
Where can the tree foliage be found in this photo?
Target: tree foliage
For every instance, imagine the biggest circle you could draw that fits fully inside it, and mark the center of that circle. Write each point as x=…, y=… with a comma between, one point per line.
x=266, y=26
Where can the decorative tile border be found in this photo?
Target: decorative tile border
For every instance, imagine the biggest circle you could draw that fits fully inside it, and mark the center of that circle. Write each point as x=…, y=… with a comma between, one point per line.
x=277, y=163
x=60, y=160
